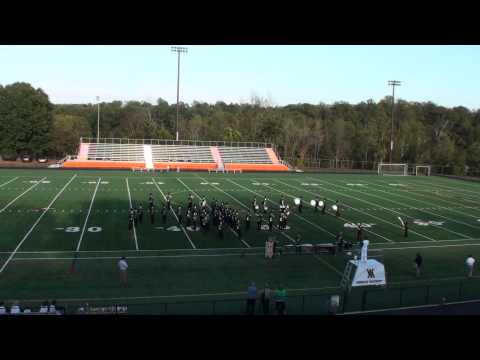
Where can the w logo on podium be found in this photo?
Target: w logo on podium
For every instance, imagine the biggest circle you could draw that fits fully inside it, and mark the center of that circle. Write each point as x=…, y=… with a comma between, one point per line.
x=371, y=273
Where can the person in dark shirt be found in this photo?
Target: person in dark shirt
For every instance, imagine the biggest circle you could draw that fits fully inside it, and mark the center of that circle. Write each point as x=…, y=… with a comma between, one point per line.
x=220, y=229
x=270, y=222
x=300, y=206
x=135, y=217
x=151, y=211
x=337, y=212
x=247, y=221
x=130, y=221
x=179, y=214
x=405, y=228
x=163, y=212
x=324, y=207
x=418, y=261
x=169, y=200
x=140, y=214
x=150, y=199
x=359, y=232
x=259, y=222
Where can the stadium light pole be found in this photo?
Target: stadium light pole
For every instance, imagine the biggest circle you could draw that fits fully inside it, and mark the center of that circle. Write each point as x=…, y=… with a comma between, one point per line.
x=393, y=83
x=98, y=119
x=178, y=50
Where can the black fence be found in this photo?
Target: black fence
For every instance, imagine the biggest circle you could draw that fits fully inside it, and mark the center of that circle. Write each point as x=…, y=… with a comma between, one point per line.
x=356, y=300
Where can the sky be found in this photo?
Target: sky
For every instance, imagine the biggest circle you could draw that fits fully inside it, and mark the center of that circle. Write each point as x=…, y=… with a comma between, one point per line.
x=290, y=74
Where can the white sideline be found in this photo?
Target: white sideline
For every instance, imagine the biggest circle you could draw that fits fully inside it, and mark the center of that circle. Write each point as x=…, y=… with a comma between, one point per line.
x=130, y=201
x=8, y=182
x=230, y=196
x=19, y=196
x=174, y=214
x=88, y=214
x=35, y=224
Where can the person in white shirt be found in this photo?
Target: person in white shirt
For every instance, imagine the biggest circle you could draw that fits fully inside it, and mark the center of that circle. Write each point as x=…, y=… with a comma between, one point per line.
x=15, y=309
x=470, y=262
x=3, y=310
x=122, y=267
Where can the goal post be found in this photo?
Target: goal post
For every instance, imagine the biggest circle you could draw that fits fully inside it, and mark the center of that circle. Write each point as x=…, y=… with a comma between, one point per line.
x=393, y=169
x=423, y=170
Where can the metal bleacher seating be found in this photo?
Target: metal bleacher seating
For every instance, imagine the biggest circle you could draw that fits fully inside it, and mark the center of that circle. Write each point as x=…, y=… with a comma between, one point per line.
x=247, y=155
x=116, y=152
x=182, y=153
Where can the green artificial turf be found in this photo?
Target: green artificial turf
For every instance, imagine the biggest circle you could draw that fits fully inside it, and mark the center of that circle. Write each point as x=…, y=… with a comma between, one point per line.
x=201, y=273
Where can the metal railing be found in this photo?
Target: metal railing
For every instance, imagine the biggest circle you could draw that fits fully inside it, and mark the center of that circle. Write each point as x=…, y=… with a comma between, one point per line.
x=90, y=140
x=357, y=300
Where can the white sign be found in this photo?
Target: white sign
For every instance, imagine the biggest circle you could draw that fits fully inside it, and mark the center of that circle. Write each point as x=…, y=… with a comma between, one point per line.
x=354, y=226
x=428, y=222
x=369, y=273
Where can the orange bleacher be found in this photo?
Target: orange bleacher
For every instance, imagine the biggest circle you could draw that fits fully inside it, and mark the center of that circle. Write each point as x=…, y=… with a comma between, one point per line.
x=173, y=155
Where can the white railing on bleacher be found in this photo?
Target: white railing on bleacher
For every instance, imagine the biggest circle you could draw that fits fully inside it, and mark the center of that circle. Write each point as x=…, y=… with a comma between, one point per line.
x=88, y=140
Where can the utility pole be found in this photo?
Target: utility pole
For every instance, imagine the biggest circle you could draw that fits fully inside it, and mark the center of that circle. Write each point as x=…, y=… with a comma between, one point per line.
x=393, y=83
x=98, y=119
x=178, y=50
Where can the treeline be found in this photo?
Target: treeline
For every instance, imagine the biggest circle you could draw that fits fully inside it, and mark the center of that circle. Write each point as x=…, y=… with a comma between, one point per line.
x=423, y=132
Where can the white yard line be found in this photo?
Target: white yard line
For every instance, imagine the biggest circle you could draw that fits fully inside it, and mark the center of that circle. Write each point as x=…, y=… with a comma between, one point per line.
x=88, y=214
x=19, y=196
x=437, y=198
x=377, y=205
x=173, y=212
x=456, y=190
x=130, y=201
x=231, y=197
x=444, y=228
x=8, y=182
x=296, y=215
x=425, y=202
x=35, y=224
x=198, y=196
x=306, y=202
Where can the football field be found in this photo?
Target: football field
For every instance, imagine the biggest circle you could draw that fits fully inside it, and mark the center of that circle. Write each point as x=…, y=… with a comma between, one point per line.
x=63, y=231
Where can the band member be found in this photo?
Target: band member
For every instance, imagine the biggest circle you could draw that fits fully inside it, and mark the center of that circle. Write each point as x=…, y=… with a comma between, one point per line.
x=259, y=222
x=337, y=212
x=163, y=212
x=405, y=228
x=140, y=214
x=220, y=229
x=130, y=220
x=300, y=205
x=324, y=208
x=151, y=212
x=247, y=221
x=317, y=204
x=190, y=201
x=264, y=205
x=179, y=214
x=135, y=218
x=359, y=232
x=150, y=199
x=169, y=200
x=270, y=222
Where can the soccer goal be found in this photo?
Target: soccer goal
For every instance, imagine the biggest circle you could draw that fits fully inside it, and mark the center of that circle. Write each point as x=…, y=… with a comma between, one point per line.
x=422, y=170
x=393, y=169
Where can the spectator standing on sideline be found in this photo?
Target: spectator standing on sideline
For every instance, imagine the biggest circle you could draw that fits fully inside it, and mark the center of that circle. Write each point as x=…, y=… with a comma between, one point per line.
x=251, y=298
x=470, y=262
x=280, y=298
x=122, y=267
x=266, y=295
x=418, y=261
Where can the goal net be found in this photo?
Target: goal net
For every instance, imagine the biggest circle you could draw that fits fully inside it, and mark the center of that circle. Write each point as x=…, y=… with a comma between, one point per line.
x=422, y=170
x=393, y=169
